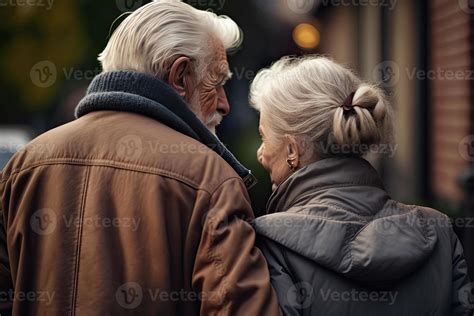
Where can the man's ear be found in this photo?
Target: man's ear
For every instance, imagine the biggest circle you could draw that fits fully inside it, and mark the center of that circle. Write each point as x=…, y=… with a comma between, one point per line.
x=181, y=76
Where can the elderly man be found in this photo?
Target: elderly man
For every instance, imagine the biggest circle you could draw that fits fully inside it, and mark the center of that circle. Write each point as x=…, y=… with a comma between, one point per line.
x=136, y=206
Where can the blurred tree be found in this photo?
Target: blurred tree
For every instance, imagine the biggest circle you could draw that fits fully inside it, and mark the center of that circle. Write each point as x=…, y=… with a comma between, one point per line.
x=38, y=45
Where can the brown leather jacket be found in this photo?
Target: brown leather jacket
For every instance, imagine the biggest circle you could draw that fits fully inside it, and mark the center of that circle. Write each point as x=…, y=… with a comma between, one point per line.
x=117, y=213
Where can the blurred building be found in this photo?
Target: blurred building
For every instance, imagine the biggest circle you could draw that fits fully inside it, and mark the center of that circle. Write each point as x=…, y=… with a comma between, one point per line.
x=423, y=53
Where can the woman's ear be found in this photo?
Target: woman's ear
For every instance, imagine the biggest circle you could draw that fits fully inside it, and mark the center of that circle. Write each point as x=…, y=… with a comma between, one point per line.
x=293, y=150
x=180, y=77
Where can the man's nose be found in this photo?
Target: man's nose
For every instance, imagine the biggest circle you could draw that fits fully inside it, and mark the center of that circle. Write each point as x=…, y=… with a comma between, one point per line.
x=223, y=106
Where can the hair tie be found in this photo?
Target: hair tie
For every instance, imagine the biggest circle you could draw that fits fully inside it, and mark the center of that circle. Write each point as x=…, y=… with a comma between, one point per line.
x=347, y=105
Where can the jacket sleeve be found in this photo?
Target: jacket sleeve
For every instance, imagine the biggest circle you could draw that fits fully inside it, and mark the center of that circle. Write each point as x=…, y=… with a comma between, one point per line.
x=287, y=289
x=230, y=273
x=6, y=287
x=463, y=290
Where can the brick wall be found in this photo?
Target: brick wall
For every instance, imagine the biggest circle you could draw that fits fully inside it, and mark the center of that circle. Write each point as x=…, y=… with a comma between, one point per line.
x=451, y=111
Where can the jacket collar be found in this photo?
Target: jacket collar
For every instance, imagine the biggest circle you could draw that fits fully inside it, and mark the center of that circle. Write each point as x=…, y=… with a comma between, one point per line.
x=322, y=175
x=143, y=94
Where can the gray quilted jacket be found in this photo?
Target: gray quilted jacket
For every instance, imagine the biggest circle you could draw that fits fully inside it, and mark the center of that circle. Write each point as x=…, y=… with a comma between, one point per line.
x=336, y=244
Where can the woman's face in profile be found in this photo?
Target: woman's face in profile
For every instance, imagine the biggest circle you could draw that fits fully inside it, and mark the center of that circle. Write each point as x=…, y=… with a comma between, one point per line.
x=272, y=155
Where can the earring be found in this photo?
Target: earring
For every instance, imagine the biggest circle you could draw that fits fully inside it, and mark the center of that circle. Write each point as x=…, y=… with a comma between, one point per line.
x=290, y=164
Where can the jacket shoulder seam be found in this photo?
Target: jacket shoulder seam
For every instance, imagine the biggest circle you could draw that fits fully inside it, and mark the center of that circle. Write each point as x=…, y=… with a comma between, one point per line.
x=222, y=183
x=117, y=165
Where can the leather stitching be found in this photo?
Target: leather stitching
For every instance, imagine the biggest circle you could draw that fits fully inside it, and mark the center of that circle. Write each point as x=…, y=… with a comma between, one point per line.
x=79, y=241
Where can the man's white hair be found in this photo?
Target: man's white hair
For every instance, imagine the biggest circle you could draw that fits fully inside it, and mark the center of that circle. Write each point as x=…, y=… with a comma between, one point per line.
x=151, y=38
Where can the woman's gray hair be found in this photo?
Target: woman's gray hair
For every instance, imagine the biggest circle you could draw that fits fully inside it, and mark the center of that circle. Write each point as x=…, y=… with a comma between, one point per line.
x=151, y=38
x=303, y=97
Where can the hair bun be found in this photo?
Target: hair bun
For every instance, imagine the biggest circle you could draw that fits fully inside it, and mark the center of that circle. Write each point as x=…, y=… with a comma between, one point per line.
x=366, y=123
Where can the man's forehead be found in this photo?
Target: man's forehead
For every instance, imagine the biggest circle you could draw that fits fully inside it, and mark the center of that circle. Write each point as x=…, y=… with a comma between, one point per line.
x=220, y=57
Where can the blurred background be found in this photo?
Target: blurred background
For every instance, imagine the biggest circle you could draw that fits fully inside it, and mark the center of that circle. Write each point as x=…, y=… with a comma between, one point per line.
x=420, y=51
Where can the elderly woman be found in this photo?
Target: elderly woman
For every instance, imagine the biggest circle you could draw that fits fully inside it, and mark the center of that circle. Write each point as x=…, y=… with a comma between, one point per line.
x=335, y=242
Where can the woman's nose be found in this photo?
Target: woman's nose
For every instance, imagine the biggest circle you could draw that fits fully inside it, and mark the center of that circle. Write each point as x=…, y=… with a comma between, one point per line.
x=259, y=154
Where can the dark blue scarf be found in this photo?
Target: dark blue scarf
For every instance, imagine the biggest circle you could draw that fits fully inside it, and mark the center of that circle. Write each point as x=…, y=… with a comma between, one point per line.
x=139, y=93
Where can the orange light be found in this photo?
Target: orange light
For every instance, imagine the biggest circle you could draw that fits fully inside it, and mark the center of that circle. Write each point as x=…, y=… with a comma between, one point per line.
x=306, y=36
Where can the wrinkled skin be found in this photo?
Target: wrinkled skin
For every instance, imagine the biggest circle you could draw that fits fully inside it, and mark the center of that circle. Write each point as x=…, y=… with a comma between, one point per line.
x=206, y=96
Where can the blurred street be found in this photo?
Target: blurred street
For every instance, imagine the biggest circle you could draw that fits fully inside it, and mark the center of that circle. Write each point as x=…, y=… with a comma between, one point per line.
x=421, y=52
